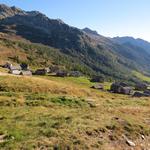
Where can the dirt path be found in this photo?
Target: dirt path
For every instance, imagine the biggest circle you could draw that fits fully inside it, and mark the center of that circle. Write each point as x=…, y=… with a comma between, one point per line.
x=4, y=74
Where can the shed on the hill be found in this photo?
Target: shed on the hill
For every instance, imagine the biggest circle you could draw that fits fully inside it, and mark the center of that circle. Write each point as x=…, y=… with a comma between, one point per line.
x=24, y=66
x=97, y=79
x=121, y=88
x=15, y=67
x=40, y=72
x=54, y=69
x=141, y=86
x=62, y=73
x=140, y=94
x=98, y=87
x=75, y=74
x=15, y=72
x=26, y=73
x=7, y=65
x=47, y=70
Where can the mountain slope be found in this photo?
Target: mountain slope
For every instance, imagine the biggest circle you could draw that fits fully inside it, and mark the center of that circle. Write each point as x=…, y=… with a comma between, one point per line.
x=130, y=51
x=136, y=42
x=136, y=49
x=101, y=55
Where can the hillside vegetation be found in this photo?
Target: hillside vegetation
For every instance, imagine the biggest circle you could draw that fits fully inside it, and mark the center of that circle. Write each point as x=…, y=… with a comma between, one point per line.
x=70, y=46
x=37, y=55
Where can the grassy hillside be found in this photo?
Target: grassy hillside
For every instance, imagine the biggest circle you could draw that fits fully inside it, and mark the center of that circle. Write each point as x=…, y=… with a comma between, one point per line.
x=45, y=112
x=92, y=56
x=141, y=76
x=18, y=50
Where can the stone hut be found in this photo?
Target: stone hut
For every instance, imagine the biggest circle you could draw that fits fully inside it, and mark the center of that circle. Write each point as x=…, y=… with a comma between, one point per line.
x=53, y=69
x=141, y=86
x=7, y=65
x=26, y=73
x=62, y=73
x=15, y=68
x=24, y=66
x=75, y=74
x=121, y=88
x=15, y=72
x=140, y=94
x=47, y=70
x=98, y=87
x=147, y=92
x=40, y=72
x=97, y=79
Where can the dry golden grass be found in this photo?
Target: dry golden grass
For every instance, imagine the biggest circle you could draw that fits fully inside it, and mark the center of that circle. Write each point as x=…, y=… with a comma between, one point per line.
x=35, y=84
x=29, y=115
x=7, y=52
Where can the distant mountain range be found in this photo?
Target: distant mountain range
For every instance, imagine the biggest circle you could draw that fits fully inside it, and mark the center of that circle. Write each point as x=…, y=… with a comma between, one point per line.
x=135, y=42
x=114, y=58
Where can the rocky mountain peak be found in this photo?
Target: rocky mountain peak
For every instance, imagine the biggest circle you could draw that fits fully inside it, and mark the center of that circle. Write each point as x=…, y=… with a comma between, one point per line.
x=6, y=11
x=89, y=31
x=14, y=8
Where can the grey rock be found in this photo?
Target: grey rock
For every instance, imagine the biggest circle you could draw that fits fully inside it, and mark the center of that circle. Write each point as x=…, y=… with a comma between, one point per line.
x=130, y=143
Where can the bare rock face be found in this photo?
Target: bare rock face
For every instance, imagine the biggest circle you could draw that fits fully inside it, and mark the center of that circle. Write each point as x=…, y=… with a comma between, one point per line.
x=6, y=11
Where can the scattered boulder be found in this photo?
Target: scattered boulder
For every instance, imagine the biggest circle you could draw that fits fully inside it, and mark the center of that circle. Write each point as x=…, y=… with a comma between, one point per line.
x=143, y=137
x=3, y=138
x=121, y=88
x=130, y=143
x=98, y=87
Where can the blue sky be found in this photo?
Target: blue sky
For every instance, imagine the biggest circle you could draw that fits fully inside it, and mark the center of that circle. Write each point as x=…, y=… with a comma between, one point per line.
x=109, y=17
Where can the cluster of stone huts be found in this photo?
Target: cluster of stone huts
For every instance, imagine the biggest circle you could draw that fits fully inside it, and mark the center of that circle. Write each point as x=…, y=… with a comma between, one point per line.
x=23, y=69
x=139, y=90
x=58, y=73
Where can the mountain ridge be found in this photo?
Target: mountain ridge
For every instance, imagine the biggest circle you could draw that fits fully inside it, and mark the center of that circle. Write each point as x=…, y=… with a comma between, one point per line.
x=103, y=55
x=134, y=41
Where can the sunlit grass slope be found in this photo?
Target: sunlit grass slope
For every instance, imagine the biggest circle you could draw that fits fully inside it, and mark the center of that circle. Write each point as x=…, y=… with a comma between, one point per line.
x=141, y=76
x=65, y=113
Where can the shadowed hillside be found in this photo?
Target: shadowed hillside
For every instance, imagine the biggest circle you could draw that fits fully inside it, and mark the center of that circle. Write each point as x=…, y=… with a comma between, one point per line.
x=99, y=55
